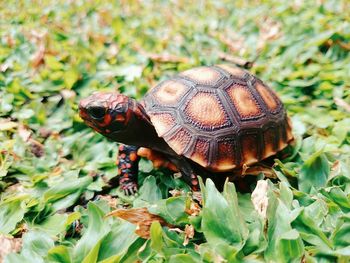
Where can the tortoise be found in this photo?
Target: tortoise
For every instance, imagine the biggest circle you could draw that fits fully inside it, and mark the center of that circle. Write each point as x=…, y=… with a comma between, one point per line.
x=211, y=121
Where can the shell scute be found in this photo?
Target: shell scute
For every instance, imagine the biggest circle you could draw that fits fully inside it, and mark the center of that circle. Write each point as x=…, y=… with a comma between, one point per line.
x=220, y=117
x=170, y=92
x=202, y=75
x=244, y=102
x=205, y=111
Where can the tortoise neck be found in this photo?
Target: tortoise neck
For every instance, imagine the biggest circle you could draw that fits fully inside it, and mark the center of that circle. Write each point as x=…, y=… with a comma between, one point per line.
x=140, y=130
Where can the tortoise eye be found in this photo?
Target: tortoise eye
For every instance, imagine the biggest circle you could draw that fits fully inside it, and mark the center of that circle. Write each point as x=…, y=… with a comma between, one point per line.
x=97, y=112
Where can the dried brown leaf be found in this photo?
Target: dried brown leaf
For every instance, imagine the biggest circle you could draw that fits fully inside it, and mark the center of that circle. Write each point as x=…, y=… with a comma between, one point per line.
x=139, y=217
x=36, y=148
x=342, y=104
x=235, y=43
x=189, y=234
x=269, y=30
x=9, y=245
x=235, y=60
x=194, y=209
x=38, y=57
x=24, y=133
x=162, y=58
x=6, y=125
x=259, y=198
x=68, y=94
x=112, y=202
x=176, y=192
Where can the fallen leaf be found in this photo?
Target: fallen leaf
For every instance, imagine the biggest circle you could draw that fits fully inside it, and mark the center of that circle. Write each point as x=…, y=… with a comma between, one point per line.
x=6, y=125
x=68, y=94
x=112, y=202
x=139, y=217
x=342, y=104
x=235, y=60
x=176, y=192
x=24, y=133
x=9, y=245
x=189, y=234
x=37, y=148
x=194, y=209
x=260, y=199
x=235, y=43
x=38, y=57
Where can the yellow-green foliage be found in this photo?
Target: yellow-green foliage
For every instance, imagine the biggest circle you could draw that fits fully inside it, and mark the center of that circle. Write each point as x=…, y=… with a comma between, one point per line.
x=55, y=172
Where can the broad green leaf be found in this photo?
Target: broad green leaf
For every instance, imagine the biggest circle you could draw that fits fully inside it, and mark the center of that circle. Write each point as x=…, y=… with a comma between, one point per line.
x=11, y=213
x=337, y=195
x=92, y=256
x=171, y=209
x=148, y=193
x=35, y=248
x=314, y=172
x=291, y=246
x=310, y=232
x=156, y=237
x=117, y=241
x=96, y=230
x=53, y=225
x=185, y=258
x=217, y=216
x=132, y=253
x=60, y=254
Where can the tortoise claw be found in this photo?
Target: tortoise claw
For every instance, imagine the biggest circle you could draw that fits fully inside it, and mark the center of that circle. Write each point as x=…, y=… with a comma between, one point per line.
x=130, y=188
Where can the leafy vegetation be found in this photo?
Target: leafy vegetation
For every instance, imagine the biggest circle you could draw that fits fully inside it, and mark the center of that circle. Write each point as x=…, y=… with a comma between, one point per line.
x=56, y=175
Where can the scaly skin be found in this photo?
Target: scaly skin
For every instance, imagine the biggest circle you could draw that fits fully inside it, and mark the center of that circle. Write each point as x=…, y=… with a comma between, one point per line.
x=123, y=120
x=128, y=168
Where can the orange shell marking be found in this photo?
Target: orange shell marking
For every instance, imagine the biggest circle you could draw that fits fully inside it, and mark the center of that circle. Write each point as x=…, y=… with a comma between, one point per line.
x=243, y=101
x=179, y=141
x=205, y=110
x=170, y=92
x=203, y=75
x=201, y=152
x=267, y=97
x=225, y=156
x=163, y=122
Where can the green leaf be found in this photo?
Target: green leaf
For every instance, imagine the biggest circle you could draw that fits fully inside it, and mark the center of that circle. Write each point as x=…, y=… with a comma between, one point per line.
x=91, y=257
x=310, y=232
x=340, y=236
x=314, y=172
x=291, y=246
x=11, y=212
x=70, y=77
x=53, y=63
x=53, y=225
x=67, y=192
x=60, y=254
x=337, y=195
x=35, y=248
x=171, y=209
x=131, y=255
x=218, y=214
x=156, y=237
x=148, y=193
x=185, y=258
x=279, y=230
x=96, y=230
x=117, y=241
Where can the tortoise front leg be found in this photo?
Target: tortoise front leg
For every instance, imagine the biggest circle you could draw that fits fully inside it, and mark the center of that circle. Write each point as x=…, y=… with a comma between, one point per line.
x=128, y=168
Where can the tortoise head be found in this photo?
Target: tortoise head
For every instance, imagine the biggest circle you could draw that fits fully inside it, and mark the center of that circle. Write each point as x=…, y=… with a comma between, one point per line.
x=106, y=112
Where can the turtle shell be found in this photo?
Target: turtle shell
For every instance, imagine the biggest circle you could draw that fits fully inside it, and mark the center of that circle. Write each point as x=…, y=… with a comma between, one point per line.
x=221, y=117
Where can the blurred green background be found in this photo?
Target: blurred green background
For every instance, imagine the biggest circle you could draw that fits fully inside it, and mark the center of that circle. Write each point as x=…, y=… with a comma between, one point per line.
x=56, y=175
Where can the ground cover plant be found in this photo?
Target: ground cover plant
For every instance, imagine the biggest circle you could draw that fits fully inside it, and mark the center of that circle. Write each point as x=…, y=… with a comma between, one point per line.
x=57, y=177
